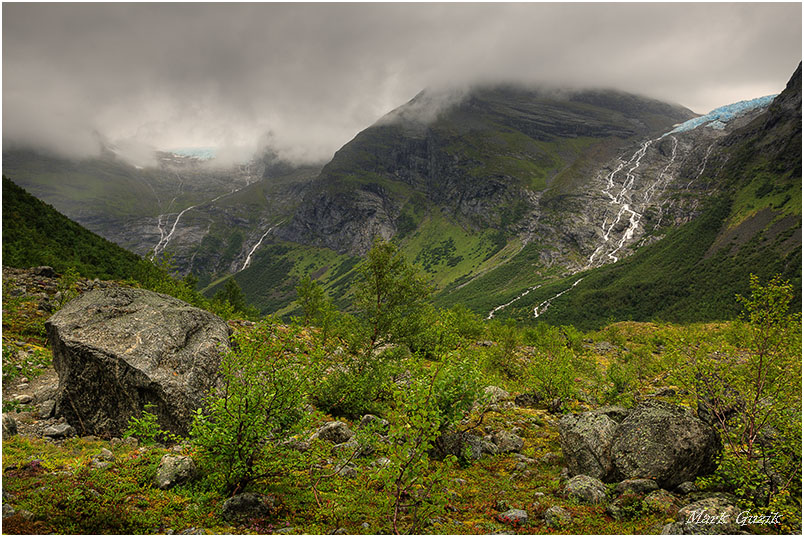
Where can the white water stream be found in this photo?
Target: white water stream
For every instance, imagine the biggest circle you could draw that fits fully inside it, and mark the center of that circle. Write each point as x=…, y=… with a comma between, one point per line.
x=248, y=257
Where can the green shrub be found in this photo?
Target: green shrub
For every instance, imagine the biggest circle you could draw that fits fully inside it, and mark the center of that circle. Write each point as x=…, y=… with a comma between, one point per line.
x=265, y=379
x=752, y=394
x=146, y=428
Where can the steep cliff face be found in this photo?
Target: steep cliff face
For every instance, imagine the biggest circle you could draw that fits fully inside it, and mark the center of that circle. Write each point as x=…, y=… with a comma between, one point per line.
x=480, y=159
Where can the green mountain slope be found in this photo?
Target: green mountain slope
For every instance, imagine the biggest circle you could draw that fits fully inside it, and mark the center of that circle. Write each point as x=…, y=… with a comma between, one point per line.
x=752, y=226
x=34, y=233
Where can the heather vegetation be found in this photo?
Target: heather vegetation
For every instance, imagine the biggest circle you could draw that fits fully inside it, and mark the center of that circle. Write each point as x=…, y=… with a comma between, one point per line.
x=395, y=416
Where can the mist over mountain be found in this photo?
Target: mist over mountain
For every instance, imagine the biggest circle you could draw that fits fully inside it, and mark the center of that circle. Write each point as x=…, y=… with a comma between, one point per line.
x=313, y=76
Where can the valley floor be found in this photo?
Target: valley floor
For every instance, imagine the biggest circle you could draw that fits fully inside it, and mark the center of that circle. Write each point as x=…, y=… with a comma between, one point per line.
x=67, y=485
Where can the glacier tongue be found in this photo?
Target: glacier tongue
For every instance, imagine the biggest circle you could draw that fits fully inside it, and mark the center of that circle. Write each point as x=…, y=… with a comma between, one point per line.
x=718, y=117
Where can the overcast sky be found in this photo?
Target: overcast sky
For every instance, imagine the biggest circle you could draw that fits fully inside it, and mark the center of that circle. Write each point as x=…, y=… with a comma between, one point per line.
x=308, y=77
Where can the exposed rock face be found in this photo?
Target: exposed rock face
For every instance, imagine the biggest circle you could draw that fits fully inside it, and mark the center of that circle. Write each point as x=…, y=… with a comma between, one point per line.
x=656, y=440
x=664, y=442
x=117, y=349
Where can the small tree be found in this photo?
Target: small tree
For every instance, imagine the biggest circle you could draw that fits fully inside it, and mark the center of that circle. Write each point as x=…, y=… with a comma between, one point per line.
x=390, y=295
x=751, y=391
x=264, y=381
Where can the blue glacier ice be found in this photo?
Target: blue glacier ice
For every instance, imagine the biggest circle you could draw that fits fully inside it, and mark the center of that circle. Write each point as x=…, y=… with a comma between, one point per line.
x=718, y=117
x=201, y=153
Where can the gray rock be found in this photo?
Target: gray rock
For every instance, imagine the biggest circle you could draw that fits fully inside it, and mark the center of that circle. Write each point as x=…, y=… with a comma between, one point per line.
x=285, y=531
x=636, y=486
x=557, y=517
x=44, y=271
x=687, y=487
x=507, y=442
x=661, y=501
x=116, y=349
x=46, y=409
x=530, y=400
x=247, y=505
x=129, y=441
x=104, y=455
x=665, y=442
x=586, y=440
x=174, y=470
x=336, y=432
x=462, y=445
x=60, y=430
x=514, y=516
x=370, y=420
x=710, y=516
x=23, y=399
x=495, y=394
x=346, y=449
x=9, y=426
x=586, y=489
x=8, y=510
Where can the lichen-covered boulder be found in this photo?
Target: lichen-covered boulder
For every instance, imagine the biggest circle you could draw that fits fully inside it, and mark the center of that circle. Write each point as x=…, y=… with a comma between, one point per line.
x=663, y=442
x=174, y=470
x=557, y=517
x=507, y=442
x=117, y=349
x=586, y=489
x=710, y=516
x=336, y=432
x=586, y=440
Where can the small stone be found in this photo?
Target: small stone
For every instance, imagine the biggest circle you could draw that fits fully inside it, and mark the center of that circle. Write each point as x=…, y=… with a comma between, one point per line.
x=339, y=531
x=24, y=386
x=46, y=409
x=105, y=455
x=101, y=465
x=285, y=531
x=8, y=510
x=556, y=517
x=60, y=430
x=23, y=399
x=687, y=487
x=514, y=516
x=26, y=515
x=370, y=420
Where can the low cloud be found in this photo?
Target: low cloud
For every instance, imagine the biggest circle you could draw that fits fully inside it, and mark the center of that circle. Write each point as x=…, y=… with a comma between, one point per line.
x=314, y=75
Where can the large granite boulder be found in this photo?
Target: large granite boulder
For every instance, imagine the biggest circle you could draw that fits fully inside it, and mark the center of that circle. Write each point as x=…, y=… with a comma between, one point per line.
x=586, y=439
x=654, y=440
x=116, y=349
x=664, y=442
